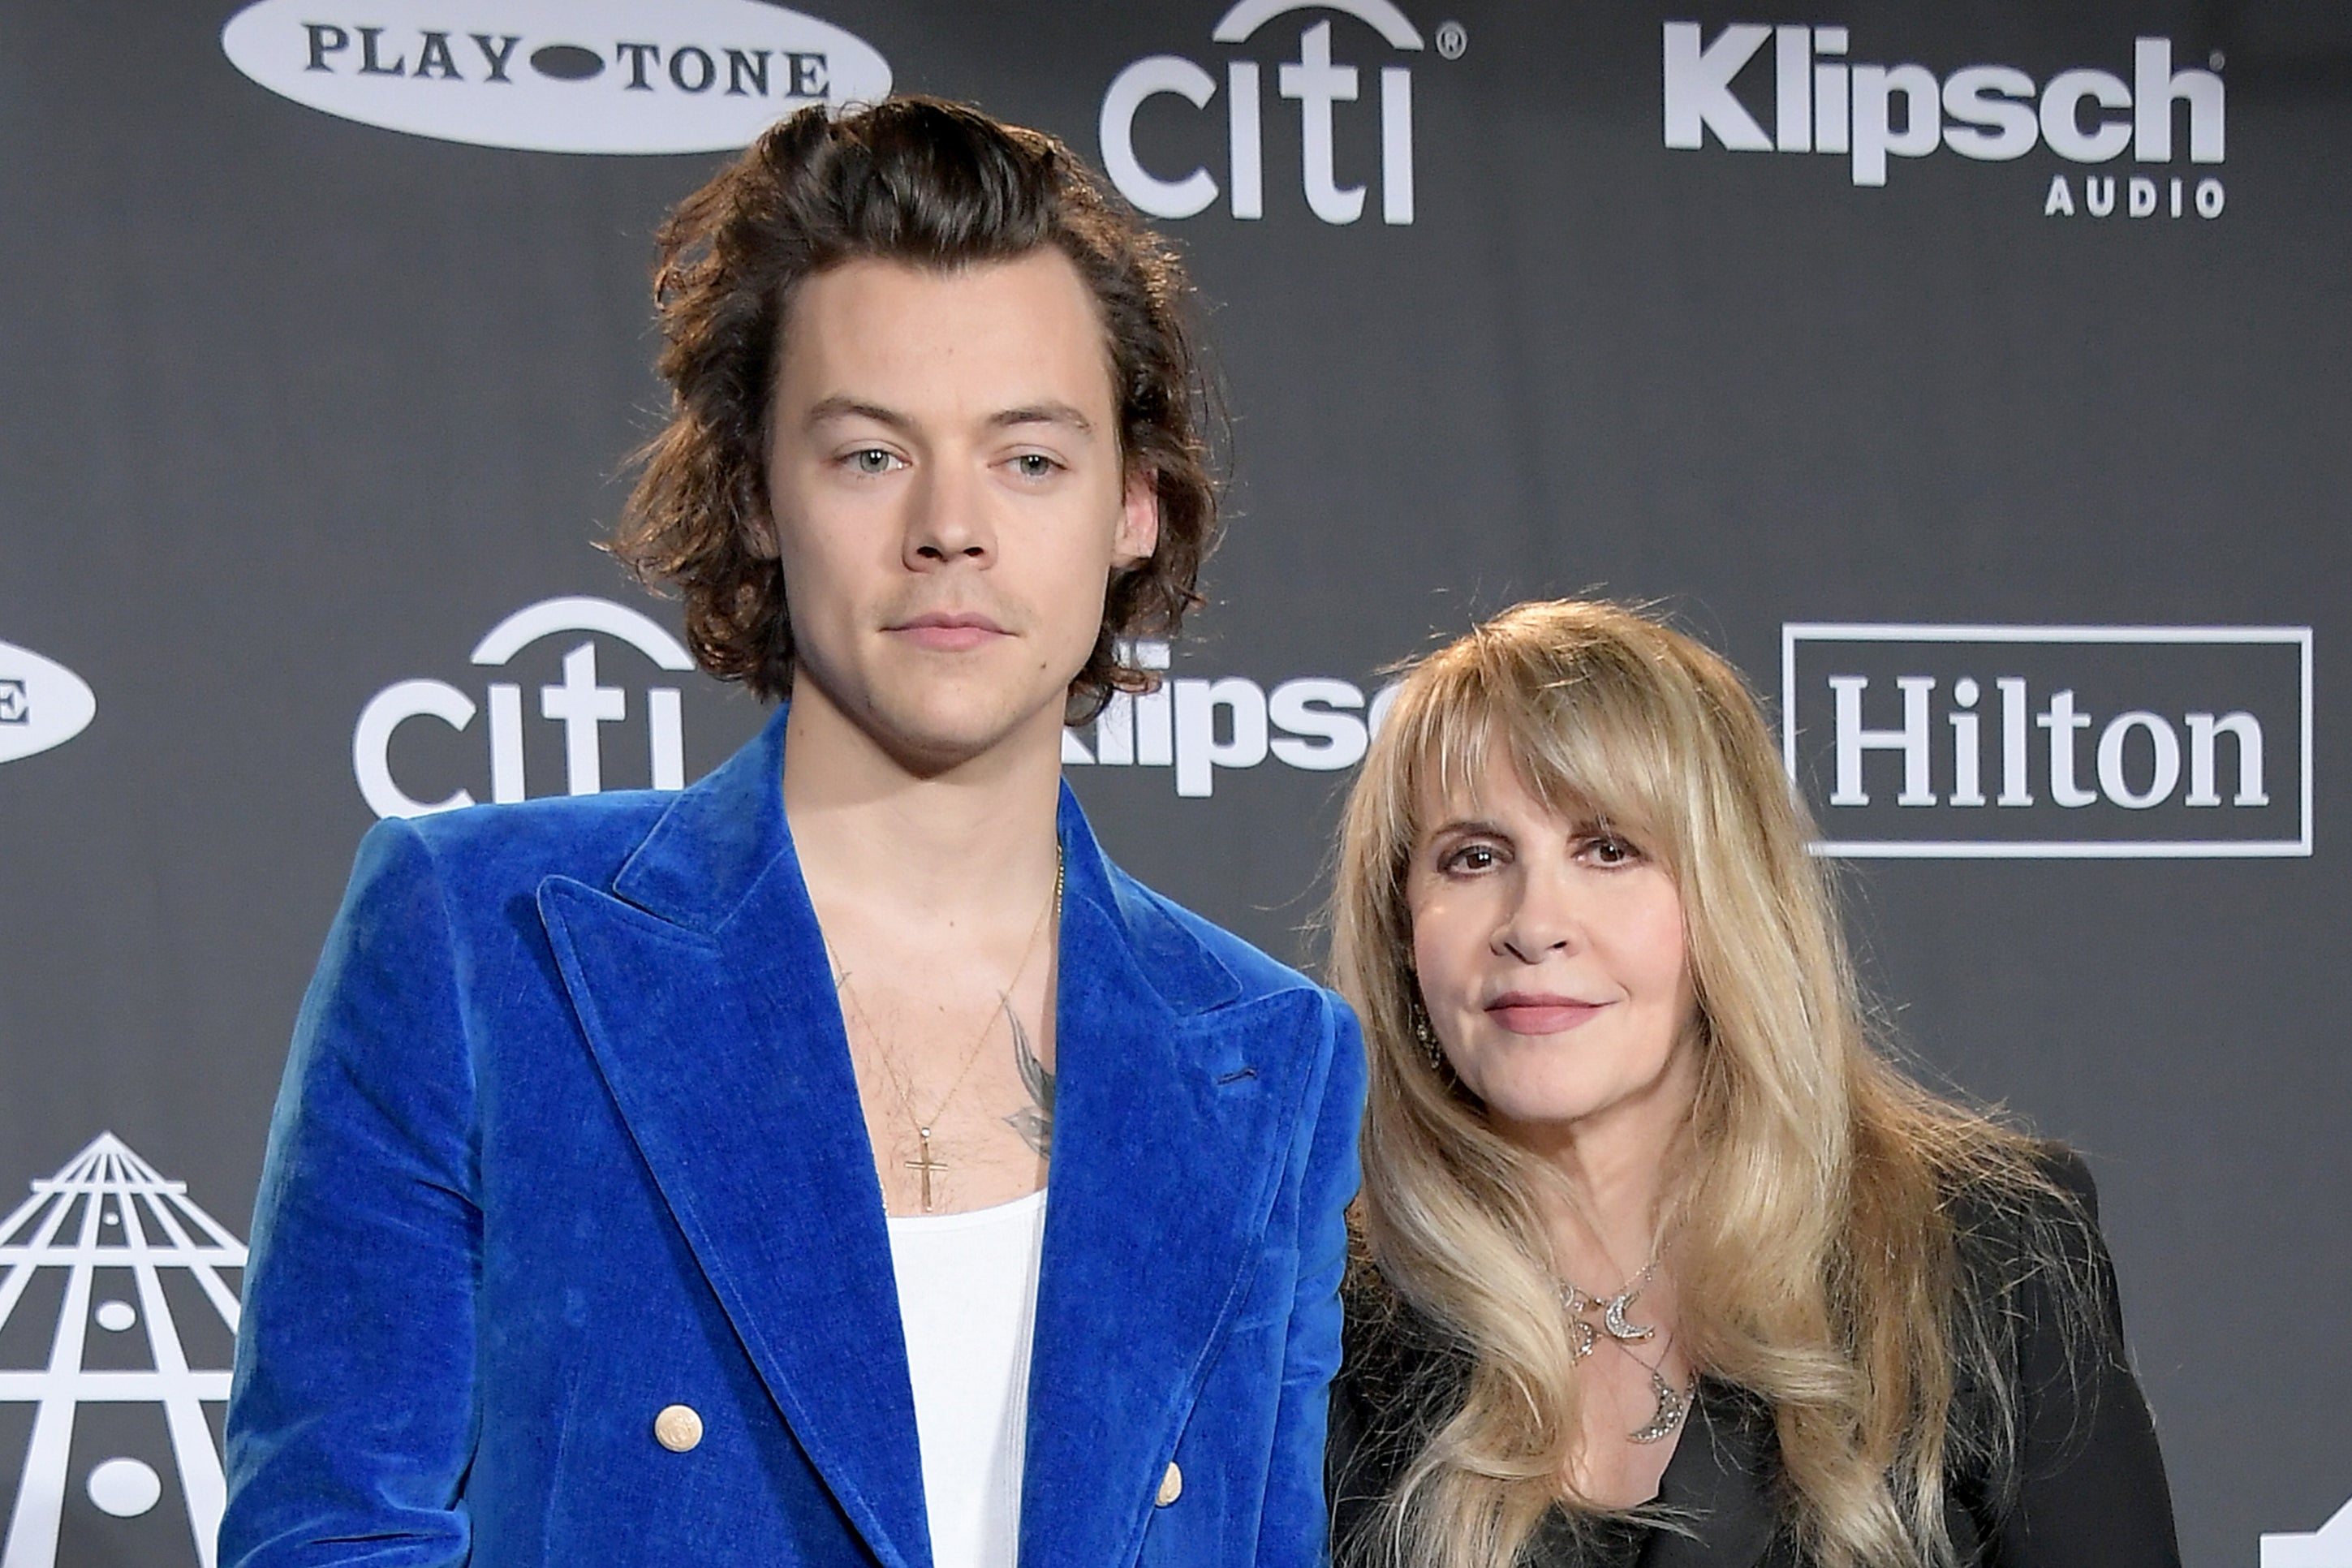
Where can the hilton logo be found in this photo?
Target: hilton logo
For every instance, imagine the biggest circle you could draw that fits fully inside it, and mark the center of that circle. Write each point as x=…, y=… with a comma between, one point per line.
x=2329, y=1546
x=2051, y=742
x=118, y=1311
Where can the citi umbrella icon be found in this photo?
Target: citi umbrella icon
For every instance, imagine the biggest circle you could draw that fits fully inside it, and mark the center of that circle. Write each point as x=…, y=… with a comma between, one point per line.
x=116, y=1323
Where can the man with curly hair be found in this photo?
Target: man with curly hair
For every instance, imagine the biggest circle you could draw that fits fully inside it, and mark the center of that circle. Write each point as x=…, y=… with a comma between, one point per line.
x=841, y=1162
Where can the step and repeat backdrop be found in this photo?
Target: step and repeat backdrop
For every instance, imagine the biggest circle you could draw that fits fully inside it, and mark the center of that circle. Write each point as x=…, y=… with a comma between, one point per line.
x=1973, y=375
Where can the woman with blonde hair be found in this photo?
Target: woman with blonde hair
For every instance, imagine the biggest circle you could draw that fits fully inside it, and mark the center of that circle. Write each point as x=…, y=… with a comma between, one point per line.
x=1662, y=1261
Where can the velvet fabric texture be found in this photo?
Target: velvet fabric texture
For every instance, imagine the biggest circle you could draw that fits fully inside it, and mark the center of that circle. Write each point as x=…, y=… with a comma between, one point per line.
x=570, y=1134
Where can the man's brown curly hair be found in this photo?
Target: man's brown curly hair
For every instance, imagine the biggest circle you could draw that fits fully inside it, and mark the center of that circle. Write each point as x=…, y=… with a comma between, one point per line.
x=933, y=184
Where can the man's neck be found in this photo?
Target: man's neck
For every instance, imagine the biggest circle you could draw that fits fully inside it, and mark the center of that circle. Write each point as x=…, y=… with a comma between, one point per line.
x=960, y=846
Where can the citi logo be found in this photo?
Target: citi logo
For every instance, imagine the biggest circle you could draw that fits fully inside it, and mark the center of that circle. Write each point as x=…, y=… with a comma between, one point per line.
x=2051, y=742
x=1822, y=103
x=1198, y=727
x=555, y=75
x=1321, y=84
x=42, y=703
x=579, y=703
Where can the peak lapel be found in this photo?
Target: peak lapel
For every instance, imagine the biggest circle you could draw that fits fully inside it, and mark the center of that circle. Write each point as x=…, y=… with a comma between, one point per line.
x=1171, y=1131
x=711, y=1015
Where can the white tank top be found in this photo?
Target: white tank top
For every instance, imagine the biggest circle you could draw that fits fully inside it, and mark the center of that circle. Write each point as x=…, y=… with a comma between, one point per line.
x=967, y=1303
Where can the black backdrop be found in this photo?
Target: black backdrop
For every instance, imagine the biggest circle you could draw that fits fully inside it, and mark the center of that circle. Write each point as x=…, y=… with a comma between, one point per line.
x=299, y=407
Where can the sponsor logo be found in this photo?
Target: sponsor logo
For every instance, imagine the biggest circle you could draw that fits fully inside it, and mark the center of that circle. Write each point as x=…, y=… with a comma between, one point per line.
x=42, y=703
x=1198, y=728
x=556, y=76
x=578, y=702
x=1328, y=91
x=1824, y=102
x=2329, y=1546
x=116, y=1315
x=2051, y=742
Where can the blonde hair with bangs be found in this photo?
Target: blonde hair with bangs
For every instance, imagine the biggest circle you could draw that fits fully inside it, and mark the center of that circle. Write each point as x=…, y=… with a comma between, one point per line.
x=1812, y=1255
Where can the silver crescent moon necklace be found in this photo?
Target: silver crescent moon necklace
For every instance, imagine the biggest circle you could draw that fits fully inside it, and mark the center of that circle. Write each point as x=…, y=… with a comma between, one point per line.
x=1672, y=1403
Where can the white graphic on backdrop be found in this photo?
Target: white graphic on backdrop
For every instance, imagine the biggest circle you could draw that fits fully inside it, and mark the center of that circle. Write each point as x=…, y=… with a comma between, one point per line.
x=1822, y=103
x=579, y=702
x=2329, y=1546
x=1316, y=81
x=556, y=76
x=1197, y=726
x=42, y=703
x=2051, y=742
x=109, y=1209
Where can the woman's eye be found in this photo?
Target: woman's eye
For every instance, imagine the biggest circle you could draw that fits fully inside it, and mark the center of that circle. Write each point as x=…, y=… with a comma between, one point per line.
x=872, y=460
x=1609, y=850
x=1472, y=857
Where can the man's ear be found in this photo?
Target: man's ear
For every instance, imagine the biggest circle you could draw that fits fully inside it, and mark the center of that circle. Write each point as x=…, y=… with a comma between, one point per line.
x=1139, y=519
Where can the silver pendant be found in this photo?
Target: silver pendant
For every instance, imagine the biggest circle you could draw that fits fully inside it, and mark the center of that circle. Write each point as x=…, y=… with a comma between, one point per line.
x=1582, y=1337
x=1612, y=1316
x=1673, y=1406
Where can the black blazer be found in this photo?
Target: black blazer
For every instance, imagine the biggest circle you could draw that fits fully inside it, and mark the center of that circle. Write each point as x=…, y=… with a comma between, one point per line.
x=2090, y=1488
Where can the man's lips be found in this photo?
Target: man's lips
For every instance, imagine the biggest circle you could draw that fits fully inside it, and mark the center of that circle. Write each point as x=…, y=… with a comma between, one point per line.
x=947, y=632
x=1540, y=1012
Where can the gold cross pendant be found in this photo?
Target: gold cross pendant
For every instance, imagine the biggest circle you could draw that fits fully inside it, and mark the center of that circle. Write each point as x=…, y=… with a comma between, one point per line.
x=924, y=1162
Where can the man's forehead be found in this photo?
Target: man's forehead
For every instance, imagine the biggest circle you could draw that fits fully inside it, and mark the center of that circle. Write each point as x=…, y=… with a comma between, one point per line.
x=1019, y=337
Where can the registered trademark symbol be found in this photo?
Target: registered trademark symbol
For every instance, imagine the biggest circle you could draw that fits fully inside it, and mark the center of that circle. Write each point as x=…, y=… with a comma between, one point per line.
x=1453, y=37
x=2214, y=59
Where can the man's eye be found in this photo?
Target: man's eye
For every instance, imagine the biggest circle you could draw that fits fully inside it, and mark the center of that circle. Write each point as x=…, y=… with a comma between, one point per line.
x=1034, y=465
x=872, y=460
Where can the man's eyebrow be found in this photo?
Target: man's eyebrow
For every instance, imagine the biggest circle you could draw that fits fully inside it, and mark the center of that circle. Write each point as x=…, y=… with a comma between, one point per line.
x=838, y=406
x=1047, y=413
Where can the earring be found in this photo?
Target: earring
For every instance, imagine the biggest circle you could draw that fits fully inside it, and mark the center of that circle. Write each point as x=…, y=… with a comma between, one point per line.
x=1426, y=1037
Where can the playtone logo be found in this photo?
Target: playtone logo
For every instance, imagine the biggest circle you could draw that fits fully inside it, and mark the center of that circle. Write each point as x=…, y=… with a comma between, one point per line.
x=1197, y=726
x=2051, y=742
x=42, y=703
x=579, y=702
x=1821, y=102
x=556, y=76
x=1314, y=81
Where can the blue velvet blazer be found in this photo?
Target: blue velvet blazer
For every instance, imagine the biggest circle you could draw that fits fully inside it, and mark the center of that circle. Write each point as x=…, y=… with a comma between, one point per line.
x=570, y=1134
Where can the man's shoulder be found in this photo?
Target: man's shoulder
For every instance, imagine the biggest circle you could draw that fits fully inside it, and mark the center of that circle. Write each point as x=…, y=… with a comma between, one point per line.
x=516, y=845
x=1159, y=926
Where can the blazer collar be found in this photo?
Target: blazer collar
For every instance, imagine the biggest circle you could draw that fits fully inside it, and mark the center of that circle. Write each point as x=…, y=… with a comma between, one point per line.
x=701, y=984
x=1717, y=1479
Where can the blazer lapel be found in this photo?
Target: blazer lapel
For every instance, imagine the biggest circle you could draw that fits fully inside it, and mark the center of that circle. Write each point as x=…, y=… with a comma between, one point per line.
x=1717, y=1478
x=704, y=993
x=1170, y=1134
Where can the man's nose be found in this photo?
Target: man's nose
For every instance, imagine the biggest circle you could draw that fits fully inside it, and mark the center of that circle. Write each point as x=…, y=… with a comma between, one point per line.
x=947, y=518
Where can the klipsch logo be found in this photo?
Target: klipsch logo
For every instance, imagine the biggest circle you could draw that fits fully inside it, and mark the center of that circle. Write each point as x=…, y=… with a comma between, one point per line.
x=2051, y=742
x=2329, y=1546
x=1197, y=726
x=42, y=703
x=1824, y=102
x=116, y=1317
x=1317, y=81
x=578, y=703
x=556, y=76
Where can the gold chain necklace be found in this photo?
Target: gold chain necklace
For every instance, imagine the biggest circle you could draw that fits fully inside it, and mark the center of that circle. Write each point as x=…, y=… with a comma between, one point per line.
x=926, y=1163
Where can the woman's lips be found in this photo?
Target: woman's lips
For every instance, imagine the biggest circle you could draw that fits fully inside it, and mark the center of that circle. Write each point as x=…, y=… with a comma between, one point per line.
x=1532, y=1015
